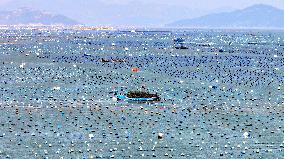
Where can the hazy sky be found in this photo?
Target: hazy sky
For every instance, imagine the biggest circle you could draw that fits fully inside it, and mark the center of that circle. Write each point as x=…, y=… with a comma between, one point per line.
x=134, y=12
x=210, y=4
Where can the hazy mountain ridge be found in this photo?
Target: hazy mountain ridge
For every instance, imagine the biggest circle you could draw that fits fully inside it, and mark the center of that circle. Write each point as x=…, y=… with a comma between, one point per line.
x=101, y=13
x=32, y=16
x=257, y=16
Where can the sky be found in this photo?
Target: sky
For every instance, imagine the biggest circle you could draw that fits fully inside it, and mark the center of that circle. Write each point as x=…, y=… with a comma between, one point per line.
x=134, y=12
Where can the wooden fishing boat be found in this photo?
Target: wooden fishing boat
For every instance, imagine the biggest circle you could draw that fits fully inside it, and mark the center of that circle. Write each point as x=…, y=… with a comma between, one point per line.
x=138, y=96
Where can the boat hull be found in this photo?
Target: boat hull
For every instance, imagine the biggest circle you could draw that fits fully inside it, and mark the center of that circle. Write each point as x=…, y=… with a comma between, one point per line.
x=125, y=98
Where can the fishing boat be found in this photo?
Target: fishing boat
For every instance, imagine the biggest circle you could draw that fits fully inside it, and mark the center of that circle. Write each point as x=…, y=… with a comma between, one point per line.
x=136, y=96
x=139, y=96
x=179, y=40
x=181, y=47
x=179, y=43
x=105, y=60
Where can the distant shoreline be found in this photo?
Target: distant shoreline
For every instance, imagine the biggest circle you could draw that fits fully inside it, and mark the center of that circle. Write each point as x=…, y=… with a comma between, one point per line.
x=128, y=29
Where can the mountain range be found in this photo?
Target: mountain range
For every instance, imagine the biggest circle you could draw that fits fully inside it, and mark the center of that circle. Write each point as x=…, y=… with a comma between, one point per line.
x=32, y=16
x=256, y=16
x=118, y=13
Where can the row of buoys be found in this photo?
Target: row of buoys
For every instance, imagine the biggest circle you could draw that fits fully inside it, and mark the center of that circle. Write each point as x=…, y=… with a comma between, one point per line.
x=182, y=126
x=214, y=102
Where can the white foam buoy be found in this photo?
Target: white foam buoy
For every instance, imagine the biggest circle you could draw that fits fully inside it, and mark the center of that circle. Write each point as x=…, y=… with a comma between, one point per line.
x=22, y=65
x=114, y=99
x=160, y=135
x=91, y=136
x=56, y=88
x=246, y=135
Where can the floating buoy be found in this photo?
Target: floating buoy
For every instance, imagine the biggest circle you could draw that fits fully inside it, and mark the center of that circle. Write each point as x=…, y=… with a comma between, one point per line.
x=91, y=136
x=246, y=135
x=114, y=99
x=135, y=69
x=160, y=135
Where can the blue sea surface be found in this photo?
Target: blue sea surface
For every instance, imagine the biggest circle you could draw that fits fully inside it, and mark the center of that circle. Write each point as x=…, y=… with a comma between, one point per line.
x=222, y=97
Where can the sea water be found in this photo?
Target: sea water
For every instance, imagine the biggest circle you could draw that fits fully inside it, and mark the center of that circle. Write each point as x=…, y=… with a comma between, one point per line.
x=221, y=98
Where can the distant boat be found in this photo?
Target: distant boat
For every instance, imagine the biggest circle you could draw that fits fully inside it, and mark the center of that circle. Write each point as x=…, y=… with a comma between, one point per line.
x=117, y=60
x=105, y=60
x=179, y=40
x=112, y=60
x=181, y=47
x=87, y=55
